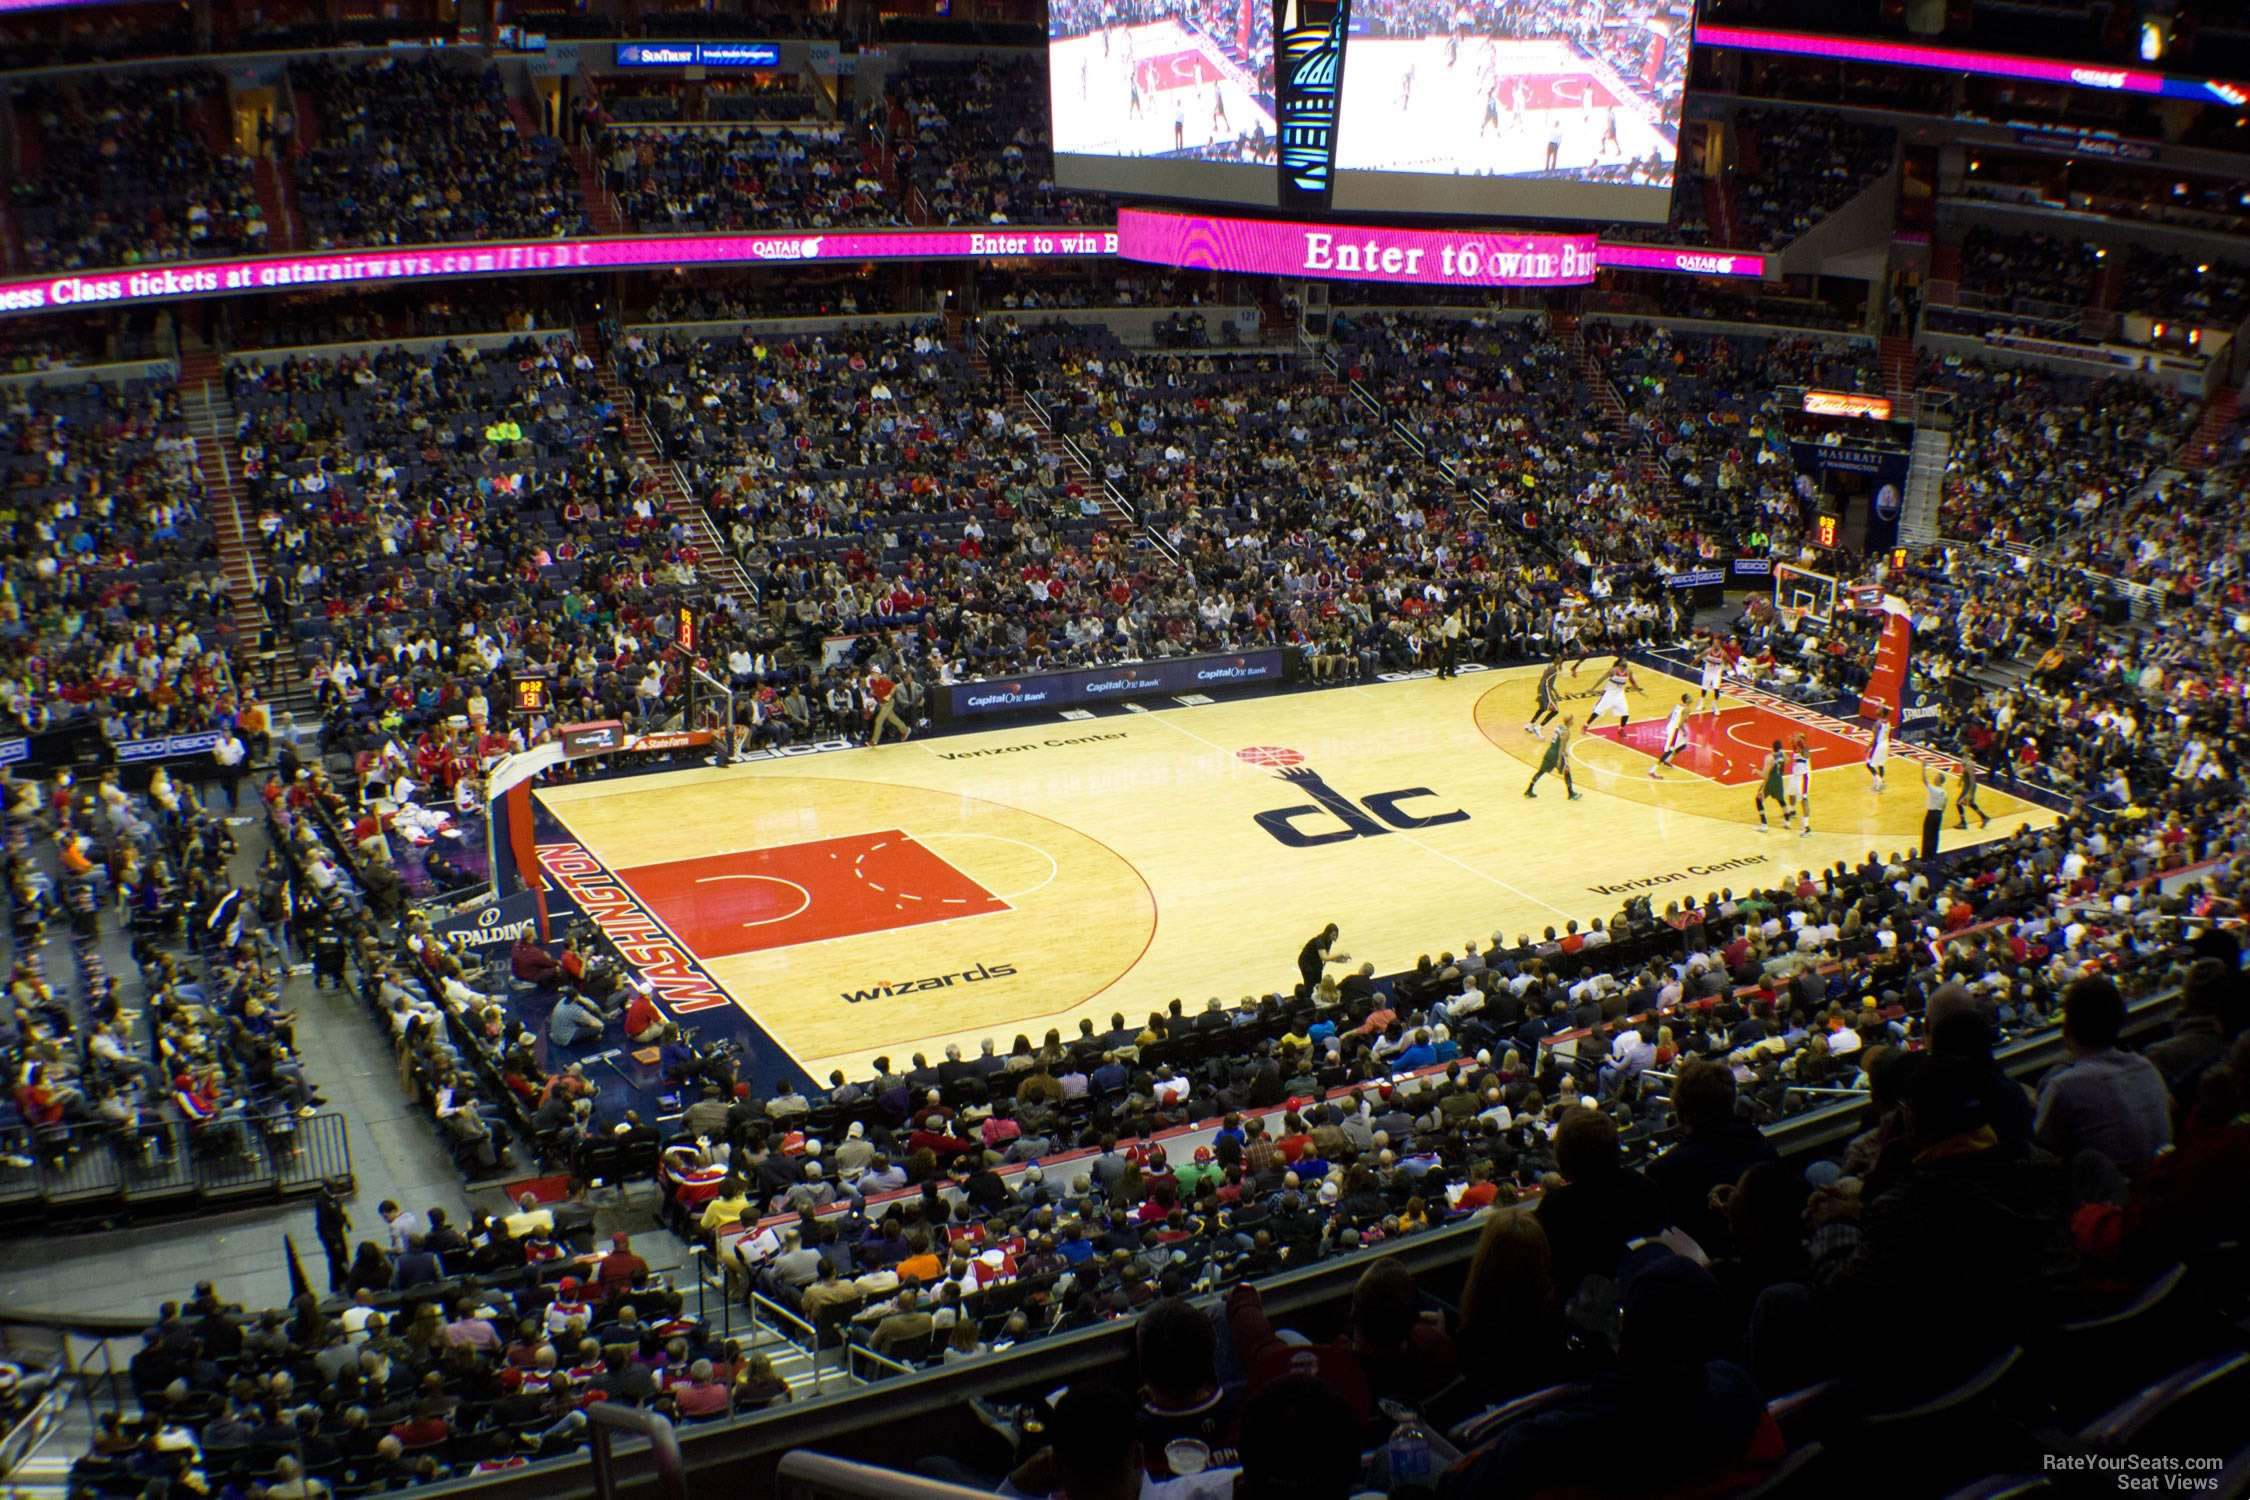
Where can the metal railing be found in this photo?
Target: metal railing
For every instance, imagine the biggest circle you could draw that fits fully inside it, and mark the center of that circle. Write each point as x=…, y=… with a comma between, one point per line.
x=816, y=1476
x=224, y=1159
x=810, y=1343
x=1111, y=492
x=605, y=1418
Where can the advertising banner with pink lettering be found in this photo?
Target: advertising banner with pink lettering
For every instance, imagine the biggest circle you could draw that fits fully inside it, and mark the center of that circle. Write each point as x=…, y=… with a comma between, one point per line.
x=1425, y=257
x=269, y=273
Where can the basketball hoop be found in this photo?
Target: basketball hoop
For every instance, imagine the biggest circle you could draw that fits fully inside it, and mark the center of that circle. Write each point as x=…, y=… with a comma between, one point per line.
x=1792, y=618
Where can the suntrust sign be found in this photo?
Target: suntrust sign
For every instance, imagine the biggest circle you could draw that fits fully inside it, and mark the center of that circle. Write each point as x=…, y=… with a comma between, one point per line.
x=621, y=252
x=1284, y=247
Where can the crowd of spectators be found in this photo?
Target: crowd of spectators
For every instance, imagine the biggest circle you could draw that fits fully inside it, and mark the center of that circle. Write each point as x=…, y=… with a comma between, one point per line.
x=415, y=150
x=811, y=295
x=115, y=608
x=128, y=174
x=973, y=139
x=343, y=317
x=192, y=1056
x=2039, y=267
x=760, y=98
x=1707, y=405
x=2176, y=533
x=431, y=521
x=1006, y=292
x=464, y=1358
x=872, y=479
x=2200, y=292
x=2035, y=455
x=1609, y=1081
x=868, y=480
x=747, y=178
x=1804, y=166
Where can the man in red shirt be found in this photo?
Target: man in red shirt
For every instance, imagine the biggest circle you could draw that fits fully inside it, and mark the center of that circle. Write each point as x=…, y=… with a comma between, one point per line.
x=644, y=1023
x=881, y=689
x=619, y=1267
x=1296, y=1143
x=700, y=1397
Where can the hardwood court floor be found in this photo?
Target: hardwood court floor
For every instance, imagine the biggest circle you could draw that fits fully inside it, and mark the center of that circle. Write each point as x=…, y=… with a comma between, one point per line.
x=952, y=888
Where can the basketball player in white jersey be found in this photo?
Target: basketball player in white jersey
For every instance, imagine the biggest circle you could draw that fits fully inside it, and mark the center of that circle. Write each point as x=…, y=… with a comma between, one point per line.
x=1612, y=700
x=1800, y=784
x=1675, y=738
x=1714, y=671
x=1879, y=752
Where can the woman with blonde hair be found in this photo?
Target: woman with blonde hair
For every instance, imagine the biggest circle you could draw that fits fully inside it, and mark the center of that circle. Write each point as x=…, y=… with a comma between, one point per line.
x=756, y=1383
x=963, y=1345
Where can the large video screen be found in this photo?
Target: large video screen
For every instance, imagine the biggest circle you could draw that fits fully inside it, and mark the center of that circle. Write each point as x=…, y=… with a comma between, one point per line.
x=1523, y=108
x=1171, y=98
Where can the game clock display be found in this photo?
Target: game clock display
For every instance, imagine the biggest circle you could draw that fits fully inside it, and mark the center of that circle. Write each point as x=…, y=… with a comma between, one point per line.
x=1827, y=531
x=532, y=696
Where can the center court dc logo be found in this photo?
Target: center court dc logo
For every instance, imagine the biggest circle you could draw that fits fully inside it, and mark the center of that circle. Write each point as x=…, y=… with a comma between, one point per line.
x=1372, y=816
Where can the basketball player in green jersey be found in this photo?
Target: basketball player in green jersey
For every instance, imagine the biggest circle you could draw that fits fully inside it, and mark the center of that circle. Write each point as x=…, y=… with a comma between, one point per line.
x=1549, y=697
x=1770, y=789
x=1967, y=802
x=1557, y=758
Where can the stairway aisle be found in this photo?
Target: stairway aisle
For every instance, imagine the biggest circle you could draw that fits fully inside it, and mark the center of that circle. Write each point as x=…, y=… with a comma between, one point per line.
x=714, y=559
x=210, y=417
x=1567, y=333
x=1897, y=356
x=1649, y=468
x=598, y=210
x=1021, y=412
x=2220, y=409
x=273, y=197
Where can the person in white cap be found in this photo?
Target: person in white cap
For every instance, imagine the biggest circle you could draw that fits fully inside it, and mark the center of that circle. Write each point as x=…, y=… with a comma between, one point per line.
x=856, y=1151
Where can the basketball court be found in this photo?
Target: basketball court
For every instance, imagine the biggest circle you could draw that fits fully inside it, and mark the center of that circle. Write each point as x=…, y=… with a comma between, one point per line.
x=859, y=902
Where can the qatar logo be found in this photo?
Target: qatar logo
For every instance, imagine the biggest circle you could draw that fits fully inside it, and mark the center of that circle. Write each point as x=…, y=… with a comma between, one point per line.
x=806, y=249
